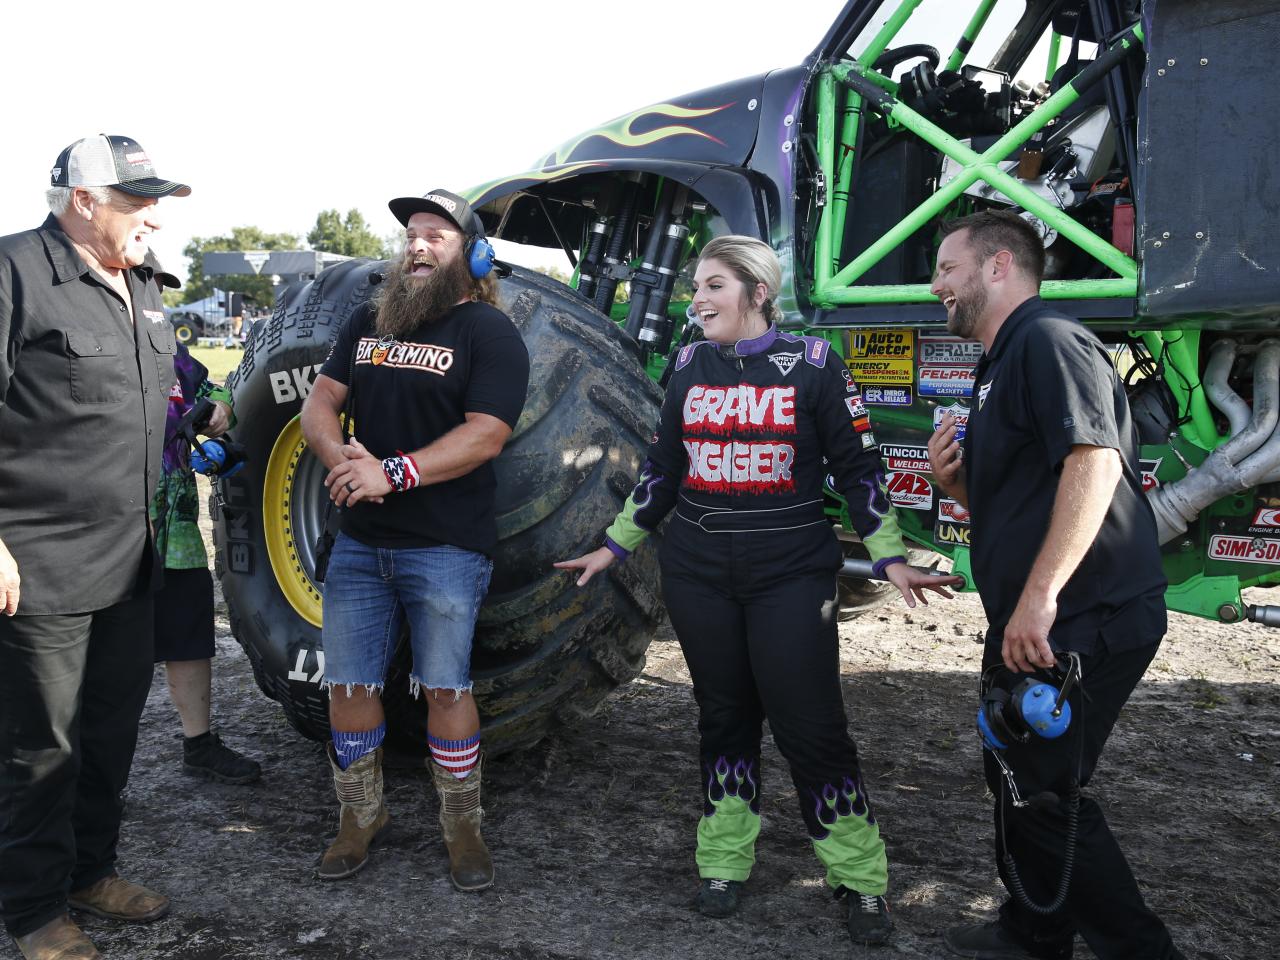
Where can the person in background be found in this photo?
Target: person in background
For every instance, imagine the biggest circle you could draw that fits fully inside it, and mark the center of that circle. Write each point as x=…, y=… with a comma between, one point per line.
x=753, y=422
x=184, y=605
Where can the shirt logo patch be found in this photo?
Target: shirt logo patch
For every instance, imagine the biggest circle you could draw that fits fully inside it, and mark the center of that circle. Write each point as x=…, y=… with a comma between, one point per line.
x=785, y=362
x=155, y=316
x=983, y=391
x=425, y=357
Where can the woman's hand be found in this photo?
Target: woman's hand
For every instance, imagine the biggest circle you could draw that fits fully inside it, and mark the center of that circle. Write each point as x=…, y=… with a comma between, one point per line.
x=220, y=421
x=911, y=581
x=597, y=561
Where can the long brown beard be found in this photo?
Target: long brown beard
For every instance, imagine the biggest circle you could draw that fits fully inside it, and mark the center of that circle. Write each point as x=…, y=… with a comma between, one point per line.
x=405, y=303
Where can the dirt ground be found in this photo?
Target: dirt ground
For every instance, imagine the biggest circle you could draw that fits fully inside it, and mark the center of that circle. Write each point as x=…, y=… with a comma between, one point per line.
x=593, y=829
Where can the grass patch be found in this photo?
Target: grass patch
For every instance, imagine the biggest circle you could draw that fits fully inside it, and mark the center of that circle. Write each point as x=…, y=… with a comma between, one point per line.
x=220, y=361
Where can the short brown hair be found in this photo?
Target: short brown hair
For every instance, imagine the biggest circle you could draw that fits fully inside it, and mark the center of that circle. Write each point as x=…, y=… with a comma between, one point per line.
x=994, y=230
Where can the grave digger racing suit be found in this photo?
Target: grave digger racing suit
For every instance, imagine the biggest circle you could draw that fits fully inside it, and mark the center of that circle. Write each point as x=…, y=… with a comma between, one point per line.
x=749, y=566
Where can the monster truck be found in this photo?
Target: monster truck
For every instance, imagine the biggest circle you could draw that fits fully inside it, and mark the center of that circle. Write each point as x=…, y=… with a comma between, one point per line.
x=1141, y=152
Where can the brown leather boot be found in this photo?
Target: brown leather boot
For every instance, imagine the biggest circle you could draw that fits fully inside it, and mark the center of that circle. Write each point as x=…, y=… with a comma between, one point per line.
x=58, y=939
x=470, y=866
x=363, y=816
x=116, y=898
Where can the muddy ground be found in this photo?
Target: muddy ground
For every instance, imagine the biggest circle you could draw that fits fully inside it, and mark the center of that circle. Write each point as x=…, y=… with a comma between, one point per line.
x=593, y=829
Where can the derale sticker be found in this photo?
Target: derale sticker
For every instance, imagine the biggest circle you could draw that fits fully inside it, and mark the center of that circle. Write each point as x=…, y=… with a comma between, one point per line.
x=909, y=490
x=946, y=381
x=1245, y=549
x=897, y=457
x=936, y=351
x=878, y=396
x=881, y=344
x=894, y=372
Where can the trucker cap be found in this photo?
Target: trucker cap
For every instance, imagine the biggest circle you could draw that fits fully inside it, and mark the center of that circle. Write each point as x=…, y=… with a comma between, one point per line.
x=443, y=203
x=110, y=161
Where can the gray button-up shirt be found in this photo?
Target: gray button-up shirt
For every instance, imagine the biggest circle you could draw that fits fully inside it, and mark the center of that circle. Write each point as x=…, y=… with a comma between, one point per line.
x=83, y=393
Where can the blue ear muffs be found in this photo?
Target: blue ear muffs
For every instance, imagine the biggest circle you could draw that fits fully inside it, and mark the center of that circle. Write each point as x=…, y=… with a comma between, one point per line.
x=480, y=256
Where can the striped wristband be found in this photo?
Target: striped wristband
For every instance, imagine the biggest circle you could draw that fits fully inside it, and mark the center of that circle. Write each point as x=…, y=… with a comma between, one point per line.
x=401, y=472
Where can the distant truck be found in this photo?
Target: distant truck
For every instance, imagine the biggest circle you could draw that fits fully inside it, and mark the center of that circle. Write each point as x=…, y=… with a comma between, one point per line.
x=205, y=317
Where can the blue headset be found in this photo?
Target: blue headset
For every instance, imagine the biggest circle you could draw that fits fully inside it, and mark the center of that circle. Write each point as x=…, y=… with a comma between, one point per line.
x=480, y=254
x=1012, y=709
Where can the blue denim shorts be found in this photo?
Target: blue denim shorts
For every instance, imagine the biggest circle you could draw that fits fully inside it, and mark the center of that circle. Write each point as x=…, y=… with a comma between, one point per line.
x=371, y=591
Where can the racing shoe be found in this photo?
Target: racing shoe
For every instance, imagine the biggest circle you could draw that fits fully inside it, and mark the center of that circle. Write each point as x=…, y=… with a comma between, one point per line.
x=869, y=922
x=208, y=757
x=991, y=941
x=718, y=898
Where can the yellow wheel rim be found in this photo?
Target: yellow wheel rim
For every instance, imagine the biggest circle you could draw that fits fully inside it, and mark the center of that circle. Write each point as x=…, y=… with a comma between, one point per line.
x=283, y=498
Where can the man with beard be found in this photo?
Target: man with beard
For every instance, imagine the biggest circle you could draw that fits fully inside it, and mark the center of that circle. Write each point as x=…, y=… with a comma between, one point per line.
x=437, y=376
x=1067, y=565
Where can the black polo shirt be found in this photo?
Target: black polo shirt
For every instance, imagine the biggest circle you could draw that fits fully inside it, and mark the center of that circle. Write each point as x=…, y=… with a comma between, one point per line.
x=84, y=388
x=410, y=392
x=1046, y=385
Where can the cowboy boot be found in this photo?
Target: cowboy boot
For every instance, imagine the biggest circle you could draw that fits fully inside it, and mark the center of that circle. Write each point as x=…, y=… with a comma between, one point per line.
x=364, y=816
x=470, y=866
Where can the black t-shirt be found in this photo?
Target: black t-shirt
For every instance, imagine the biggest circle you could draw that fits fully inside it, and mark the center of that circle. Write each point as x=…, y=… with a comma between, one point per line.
x=1046, y=385
x=411, y=392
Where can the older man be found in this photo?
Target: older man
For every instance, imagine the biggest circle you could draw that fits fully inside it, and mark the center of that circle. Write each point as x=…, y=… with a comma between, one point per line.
x=84, y=384
x=437, y=375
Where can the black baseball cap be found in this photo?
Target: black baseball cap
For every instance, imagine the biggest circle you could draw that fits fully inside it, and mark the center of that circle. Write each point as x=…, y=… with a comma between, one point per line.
x=442, y=203
x=111, y=161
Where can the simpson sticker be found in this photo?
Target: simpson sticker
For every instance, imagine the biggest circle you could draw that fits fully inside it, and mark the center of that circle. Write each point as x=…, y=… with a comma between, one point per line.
x=949, y=351
x=724, y=410
x=892, y=371
x=887, y=396
x=895, y=457
x=740, y=467
x=946, y=381
x=785, y=362
x=881, y=343
x=909, y=490
x=952, y=511
x=957, y=410
x=405, y=356
x=1245, y=549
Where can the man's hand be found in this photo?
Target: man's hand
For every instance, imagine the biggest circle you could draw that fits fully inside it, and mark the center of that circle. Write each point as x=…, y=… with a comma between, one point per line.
x=220, y=421
x=9, y=581
x=1026, y=638
x=358, y=477
x=589, y=563
x=911, y=581
x=944, y=460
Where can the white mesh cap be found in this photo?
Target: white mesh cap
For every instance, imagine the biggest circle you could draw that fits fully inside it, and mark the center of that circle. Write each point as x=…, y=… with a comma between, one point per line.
x=112, y=161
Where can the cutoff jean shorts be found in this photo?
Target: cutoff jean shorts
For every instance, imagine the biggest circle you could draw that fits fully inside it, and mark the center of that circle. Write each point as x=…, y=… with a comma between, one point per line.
x=370, y=592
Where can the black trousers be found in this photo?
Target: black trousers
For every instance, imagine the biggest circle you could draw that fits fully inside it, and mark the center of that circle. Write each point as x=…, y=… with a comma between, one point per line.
x=755, y=614
x=1103, y=903
x=72, y=689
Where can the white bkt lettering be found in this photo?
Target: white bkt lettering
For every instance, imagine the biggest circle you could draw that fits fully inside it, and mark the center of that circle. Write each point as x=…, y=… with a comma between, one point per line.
x=716, y=462
x=744, y=403
x=295, y=384
x=299, y=671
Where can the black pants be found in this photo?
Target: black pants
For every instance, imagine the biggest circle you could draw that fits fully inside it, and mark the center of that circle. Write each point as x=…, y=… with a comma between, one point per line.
x=1103, y=903
x=72, y=689
x=755, y=614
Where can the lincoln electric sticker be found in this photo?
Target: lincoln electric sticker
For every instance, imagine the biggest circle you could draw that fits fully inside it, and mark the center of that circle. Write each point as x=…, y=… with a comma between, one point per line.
x=946, y=366
x=882, y=358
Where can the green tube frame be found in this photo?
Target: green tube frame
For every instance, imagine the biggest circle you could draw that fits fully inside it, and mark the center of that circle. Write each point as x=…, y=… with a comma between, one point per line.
x=965, y=44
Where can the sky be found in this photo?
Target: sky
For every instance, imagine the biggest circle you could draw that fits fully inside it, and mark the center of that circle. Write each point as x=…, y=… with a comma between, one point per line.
x=275, y=111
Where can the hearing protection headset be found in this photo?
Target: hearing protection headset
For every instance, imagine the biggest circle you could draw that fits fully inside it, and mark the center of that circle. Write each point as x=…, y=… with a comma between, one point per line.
x=479, y=253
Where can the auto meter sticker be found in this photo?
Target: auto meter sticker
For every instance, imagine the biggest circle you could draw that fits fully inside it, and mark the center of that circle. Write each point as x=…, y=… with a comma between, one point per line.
x=877, y=396
x=909, y=490
x=957, y=410
x=897, y=457
x=1245, y=549
x=881, y=344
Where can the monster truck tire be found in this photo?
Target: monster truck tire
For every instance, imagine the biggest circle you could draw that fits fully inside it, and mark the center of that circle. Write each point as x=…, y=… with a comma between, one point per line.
x=545, y=650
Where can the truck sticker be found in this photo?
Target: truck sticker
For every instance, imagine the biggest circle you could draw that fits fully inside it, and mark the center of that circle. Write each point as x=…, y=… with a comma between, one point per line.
x=957, y=410
x=881, y=343
x=887, y=396
x=1246, y=549
x=946, y=381
x=893, y=371
x=938, y=351
x=909, y=490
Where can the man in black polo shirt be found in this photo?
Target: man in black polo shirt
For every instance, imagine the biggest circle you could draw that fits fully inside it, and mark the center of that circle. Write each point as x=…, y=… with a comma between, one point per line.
x=85, y=370
x=1065, y=559
x=437, y=375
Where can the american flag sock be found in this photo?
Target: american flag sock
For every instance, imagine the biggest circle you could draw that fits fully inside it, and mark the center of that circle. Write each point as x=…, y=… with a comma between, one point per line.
x=350, y=747
x=457, y=756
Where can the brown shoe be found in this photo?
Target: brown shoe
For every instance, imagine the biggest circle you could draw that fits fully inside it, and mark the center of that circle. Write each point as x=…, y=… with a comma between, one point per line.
x=470, y=866
x=58, y=939
x=363, y=815
x=116, y=898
